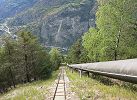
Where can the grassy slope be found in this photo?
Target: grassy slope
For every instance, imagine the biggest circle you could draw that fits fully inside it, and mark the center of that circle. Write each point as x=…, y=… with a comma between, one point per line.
x=33, y=91
x=89, y=89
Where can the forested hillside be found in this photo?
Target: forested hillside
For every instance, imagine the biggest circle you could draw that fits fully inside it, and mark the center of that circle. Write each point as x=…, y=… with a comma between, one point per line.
x=113, y=38
x=24, y=60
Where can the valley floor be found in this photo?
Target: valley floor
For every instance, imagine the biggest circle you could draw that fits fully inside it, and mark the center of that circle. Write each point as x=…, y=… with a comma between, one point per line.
x=88, y=88
x=31, y=91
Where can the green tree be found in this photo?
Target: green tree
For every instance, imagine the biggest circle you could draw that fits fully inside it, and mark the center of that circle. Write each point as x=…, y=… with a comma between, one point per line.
x=33, y=56
x=55, y=58
x=91, y=42
x=22, y=60
x=8, y=54
x=7, y=63
x=115, y=34
x=76, y=53
x=114, y=22
x=43, y=65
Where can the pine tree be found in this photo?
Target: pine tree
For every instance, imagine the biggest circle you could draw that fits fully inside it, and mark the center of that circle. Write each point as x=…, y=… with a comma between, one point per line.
x=22, y=60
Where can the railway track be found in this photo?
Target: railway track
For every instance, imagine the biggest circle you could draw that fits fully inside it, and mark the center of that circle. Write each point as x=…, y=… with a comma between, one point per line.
x=60, y=90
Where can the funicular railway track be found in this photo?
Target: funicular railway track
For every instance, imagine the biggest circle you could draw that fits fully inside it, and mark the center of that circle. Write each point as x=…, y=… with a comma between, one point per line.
x=60, y=90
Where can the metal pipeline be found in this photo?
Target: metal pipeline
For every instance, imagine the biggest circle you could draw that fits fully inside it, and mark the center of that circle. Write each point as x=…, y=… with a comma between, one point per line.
x=125, y=70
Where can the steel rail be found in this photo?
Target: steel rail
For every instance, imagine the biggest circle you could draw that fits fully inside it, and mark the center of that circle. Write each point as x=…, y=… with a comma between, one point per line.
x=59, y=78
x=64, y=85
x=57, y=86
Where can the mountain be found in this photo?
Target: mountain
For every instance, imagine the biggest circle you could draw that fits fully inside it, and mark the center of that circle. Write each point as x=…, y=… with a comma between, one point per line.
x=55, y=22
x=10, y=8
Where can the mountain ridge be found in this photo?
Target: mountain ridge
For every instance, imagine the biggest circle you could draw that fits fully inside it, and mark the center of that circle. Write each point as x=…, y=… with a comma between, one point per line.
x=56, y=22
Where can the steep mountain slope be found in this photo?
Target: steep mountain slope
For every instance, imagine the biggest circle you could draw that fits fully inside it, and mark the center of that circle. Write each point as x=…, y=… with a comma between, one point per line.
x=10, y=8
x=56, y=22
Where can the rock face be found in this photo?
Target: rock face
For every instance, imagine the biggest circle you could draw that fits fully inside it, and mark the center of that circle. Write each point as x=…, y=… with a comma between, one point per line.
x=57, y=22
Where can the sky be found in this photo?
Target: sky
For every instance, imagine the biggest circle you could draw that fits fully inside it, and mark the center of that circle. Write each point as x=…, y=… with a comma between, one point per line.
x=1, y=1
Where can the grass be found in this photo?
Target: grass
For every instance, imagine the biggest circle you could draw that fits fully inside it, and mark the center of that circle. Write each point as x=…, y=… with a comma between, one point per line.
x=92, y=89
x=30, y=91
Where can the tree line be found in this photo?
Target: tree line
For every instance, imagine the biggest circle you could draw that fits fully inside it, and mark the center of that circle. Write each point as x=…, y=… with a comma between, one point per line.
x=24, y=60
x=115, y=34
